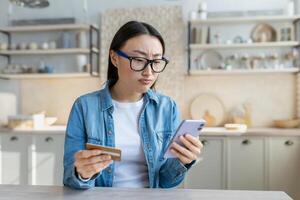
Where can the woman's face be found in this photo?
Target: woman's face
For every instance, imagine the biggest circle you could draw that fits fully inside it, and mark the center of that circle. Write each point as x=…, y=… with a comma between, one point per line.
x=140, y=46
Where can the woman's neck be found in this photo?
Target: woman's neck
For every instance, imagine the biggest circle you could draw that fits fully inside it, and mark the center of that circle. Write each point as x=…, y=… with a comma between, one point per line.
x=122, y=94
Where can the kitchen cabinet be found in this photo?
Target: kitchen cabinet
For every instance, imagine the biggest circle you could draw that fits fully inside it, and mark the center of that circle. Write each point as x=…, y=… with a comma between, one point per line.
x=88, y=34
x=13, y=159
x=284, y=165
x=208, y=173
x=248, y=163
x=46, y=160
x=31, y=159
x=211, y=39
x=245, y=163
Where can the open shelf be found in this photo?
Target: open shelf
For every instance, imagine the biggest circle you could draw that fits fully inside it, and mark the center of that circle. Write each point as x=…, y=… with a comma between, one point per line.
x=45, y=28
x=246, y=19
x=48, y=51
x=43, y=76
x=245, y=45
x=244, y=71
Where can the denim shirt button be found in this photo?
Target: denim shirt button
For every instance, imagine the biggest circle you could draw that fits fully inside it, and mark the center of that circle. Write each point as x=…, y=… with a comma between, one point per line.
x=109, y=171
x=109, y=132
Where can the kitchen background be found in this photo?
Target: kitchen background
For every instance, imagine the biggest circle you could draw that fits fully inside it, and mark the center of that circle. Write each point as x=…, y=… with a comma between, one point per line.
x=223, y=84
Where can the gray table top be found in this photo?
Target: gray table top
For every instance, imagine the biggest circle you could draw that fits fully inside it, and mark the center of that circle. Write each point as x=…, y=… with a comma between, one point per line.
x=12, y=192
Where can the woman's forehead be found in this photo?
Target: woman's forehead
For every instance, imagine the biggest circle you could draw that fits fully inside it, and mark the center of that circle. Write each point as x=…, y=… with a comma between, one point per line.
x=144, y=43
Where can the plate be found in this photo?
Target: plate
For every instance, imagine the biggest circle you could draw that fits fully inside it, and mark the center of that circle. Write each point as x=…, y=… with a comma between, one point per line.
x=209, y=60
x=263, y=33
x=208, y=107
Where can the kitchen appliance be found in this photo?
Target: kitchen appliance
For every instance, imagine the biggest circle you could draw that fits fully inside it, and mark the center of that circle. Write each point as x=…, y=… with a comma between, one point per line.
x=8, y=106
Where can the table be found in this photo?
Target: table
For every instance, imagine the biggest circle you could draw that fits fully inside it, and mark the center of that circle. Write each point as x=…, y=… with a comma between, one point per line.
x=14, y=192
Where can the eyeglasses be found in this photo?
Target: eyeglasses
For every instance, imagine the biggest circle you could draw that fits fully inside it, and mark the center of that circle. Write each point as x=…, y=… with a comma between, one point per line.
x=139, y=63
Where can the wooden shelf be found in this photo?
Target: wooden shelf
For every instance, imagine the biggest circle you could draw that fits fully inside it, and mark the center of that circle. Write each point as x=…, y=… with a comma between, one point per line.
x=241, y=71
x=45, y=28
x=48, y=51
x=244, y=45
x=246, y=19
x=44, y=76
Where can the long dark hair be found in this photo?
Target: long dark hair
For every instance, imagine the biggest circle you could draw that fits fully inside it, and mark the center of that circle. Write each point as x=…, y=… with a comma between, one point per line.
x=127, y=31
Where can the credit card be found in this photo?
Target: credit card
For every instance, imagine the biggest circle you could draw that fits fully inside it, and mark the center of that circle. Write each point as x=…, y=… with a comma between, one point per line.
x=113, y=152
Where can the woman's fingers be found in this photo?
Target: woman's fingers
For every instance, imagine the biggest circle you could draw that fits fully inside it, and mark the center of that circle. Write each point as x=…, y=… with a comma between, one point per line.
x=194, y=140
x=90, y=170
x=90, y=162
x=183, y=159
x=87, y=153
x=93, y=160
x=185, y=152
x=190, y=146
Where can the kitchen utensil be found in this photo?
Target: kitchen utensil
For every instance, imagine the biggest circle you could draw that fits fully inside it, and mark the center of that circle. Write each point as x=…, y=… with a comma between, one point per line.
x=287, y=123
x=22, y=46
x=210, y=59
x=45, y=45
x=33, y=46
x=236, y=127
x=52, y=45
x=50, y=121
x=13, y=47
x=208, y=104
x=3, y=46
x=263, y=33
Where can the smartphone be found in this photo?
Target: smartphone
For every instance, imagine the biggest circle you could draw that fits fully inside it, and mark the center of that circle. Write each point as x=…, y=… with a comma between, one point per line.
x=192, y=127
x=113, y=152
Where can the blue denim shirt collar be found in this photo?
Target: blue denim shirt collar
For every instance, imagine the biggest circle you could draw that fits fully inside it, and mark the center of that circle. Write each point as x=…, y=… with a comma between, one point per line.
x=106, y=99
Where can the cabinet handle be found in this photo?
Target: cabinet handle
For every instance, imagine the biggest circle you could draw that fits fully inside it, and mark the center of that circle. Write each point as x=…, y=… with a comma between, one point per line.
x=246, y=142
x=204, y=142
x=289, y=143
x=49, y=139
x=14, y=138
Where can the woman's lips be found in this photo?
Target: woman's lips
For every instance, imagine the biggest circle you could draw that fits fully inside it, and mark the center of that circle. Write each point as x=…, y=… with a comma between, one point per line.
x=145, y=81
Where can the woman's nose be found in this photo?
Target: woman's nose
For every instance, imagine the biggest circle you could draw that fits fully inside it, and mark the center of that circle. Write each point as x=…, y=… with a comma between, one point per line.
x=147, y=70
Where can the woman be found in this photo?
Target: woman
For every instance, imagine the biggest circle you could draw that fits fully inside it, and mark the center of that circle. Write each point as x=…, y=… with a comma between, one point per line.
x=130, y=115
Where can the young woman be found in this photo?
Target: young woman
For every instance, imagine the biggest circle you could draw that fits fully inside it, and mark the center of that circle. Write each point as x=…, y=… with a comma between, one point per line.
x=130, y=115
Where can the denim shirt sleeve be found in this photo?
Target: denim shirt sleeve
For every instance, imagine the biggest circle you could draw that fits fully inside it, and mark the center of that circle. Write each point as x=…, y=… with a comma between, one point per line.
x=75, y=141
x=172, y=172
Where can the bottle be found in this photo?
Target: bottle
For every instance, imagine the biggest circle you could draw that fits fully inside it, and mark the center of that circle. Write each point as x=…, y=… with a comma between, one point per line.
x=290, y=8
x=202, y=10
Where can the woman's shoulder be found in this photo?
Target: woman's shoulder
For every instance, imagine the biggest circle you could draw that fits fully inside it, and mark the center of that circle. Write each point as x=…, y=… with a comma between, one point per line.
x=89, y=96
x=161, y=98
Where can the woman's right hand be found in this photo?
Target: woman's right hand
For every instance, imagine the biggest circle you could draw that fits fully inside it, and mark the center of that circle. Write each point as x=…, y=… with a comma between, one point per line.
x=90, y=162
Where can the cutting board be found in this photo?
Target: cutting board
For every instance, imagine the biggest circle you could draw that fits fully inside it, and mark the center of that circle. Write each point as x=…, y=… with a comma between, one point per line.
x=208, y=107
x=8, y=106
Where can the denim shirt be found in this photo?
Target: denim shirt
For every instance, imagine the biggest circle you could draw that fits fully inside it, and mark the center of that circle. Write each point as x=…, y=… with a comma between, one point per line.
x=91, y=121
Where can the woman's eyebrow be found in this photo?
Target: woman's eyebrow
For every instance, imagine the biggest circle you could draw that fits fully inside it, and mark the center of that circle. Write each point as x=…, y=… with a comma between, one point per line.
x=145, y=54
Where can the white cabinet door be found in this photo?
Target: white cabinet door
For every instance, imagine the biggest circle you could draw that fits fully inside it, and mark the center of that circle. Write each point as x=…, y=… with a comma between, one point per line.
x=284, y=165
x=46, y=160
x=246, y=163
x=208, y=173
x=13, y=159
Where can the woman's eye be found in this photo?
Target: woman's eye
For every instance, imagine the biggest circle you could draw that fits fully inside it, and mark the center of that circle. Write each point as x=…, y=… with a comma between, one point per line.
x=139, y=60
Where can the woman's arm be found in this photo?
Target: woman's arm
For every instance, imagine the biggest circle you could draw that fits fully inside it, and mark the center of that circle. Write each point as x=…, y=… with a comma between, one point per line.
x=75, y=140
x=173, y=171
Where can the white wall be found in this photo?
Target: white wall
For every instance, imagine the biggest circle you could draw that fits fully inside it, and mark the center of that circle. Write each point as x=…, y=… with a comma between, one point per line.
x=74, y=8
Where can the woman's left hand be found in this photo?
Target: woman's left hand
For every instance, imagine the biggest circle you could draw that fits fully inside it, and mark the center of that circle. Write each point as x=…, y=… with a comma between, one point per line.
x=190, y=152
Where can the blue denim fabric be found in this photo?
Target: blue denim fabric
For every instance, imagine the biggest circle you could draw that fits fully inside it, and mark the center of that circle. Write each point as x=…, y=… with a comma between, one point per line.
x=91, y=121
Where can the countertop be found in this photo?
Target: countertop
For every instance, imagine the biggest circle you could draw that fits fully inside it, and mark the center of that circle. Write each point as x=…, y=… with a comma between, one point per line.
x=9, y=192
x=215, y=131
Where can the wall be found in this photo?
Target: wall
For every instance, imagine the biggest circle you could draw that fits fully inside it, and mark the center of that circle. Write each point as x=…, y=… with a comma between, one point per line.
x=57, y=96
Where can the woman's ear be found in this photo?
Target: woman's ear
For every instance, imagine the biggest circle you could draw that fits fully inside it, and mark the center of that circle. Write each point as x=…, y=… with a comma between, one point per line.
x=113, y=58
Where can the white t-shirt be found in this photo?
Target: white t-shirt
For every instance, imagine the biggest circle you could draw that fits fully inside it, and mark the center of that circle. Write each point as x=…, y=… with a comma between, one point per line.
x=132, y=170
